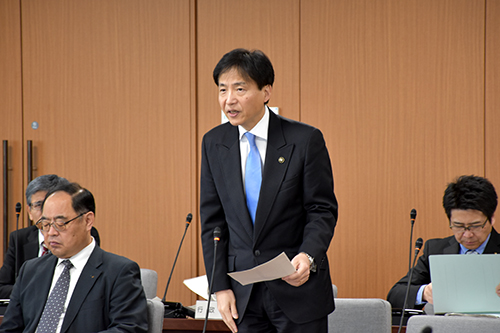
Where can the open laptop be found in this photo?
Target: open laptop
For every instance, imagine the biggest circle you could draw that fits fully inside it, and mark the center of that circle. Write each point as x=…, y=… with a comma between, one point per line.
x=465, y=283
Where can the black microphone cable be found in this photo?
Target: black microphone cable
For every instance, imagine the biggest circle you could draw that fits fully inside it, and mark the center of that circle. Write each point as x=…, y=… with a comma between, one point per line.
x=418, y=246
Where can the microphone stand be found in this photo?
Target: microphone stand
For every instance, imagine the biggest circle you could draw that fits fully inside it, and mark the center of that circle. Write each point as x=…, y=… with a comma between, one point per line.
x=18, y=212
x=174, y=305
x=216, y=240
x=418, y=245
x=413, y=215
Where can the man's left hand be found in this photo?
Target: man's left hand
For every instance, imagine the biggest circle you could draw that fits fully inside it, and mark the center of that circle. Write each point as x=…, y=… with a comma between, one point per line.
x=301, y=275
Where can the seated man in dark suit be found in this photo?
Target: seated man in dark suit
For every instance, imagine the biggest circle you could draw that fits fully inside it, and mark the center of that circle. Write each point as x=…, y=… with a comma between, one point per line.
x=78, y=287
x=470, y=203
x=27, y=243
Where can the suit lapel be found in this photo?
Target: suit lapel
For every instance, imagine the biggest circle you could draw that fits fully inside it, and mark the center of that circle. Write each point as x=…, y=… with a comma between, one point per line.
x=44, y=279
x=493, y=245
x=88, y=278
x=453, y=247
x=230, y=160
x=278, y=157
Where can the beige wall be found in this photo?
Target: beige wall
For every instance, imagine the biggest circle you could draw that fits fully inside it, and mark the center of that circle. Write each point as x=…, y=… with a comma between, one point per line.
x=404, y=92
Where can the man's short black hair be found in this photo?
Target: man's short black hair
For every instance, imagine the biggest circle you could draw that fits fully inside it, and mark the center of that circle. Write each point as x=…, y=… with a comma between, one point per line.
x=471, y=192
x=250, y=64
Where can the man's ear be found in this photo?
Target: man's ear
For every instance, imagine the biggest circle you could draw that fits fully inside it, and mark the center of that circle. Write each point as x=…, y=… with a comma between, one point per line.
x=89, y=220
x=268, y=90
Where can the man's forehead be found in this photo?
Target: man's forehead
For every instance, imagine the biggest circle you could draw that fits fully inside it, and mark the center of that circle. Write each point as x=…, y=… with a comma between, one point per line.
x=59, y=201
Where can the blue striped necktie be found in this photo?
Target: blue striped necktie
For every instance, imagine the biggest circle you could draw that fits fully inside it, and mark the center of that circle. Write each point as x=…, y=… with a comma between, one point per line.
x=253, y=176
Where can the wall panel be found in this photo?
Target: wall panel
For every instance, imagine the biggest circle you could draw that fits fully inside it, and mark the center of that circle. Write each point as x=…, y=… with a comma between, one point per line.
x=10, y=111
x=397, y=89
x=492, y=79
x=109, y=83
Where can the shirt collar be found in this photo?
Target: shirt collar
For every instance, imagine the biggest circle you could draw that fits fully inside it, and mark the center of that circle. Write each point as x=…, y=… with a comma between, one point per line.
x=80, y=259
x=261, y=129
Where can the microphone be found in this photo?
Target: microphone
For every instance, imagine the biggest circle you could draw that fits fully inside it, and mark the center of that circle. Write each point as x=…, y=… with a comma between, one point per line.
x=418, y=247
x=176, y=310
x=217, y=234
x=18, y=212
x=413, y=216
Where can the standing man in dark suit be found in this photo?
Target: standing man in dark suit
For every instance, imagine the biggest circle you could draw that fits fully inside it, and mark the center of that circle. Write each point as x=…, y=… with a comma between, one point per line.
x=27, y=243
x=470, y=203
x=289, y=206
x=104, y=292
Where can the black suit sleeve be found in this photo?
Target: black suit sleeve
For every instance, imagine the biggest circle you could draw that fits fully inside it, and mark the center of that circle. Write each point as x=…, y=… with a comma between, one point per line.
x=7, y=272
x=421, y=276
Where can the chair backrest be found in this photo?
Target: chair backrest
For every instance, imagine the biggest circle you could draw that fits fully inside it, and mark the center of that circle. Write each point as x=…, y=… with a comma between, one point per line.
x=335, y=290
x=367, y=315
x=149, y=280
x=452, y=324
x=156, y=309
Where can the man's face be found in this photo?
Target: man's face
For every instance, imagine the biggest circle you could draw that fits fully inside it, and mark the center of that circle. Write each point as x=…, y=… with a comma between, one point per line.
x=241, y=100
x=35, y=210
x=76, y=234
x=471, y=239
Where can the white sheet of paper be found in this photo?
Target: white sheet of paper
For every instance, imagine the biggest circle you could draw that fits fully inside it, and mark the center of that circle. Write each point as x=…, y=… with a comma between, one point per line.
x=198, y=285
x=273, y=269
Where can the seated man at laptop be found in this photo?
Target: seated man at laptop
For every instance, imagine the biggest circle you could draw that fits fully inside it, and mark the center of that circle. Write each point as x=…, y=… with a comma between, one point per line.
x=470, y=203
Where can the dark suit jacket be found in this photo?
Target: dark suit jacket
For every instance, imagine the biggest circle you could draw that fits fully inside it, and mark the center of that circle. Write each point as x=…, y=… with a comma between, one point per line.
x=108, y=296
x=297, y=212
x=422, y=274
x=26, y=242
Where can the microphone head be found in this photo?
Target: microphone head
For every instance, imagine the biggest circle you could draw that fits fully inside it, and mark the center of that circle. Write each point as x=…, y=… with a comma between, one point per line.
x=217, y=233
x=413, y=214
x=189, y=217
x=18, y=207
x=419, y=243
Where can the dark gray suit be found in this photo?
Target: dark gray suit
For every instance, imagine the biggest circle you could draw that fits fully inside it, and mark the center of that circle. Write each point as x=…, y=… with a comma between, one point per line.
x=108, y=296
x=297, y=212
x=422, y=275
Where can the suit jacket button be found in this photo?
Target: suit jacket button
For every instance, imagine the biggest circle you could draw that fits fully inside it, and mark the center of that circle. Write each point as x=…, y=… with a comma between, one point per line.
x=257, y=253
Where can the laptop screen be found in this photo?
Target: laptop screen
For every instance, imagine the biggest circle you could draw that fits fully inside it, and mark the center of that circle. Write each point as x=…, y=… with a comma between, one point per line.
x=465, y=283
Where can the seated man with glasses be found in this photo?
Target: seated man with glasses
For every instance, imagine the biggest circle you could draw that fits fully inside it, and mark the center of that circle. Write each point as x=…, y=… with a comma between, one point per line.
x=78, y=287
x=470, y=203
x=27, y=243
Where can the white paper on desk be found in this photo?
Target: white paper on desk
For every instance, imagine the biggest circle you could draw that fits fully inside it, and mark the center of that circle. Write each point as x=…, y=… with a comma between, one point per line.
x=198, y=285
x=274, y=269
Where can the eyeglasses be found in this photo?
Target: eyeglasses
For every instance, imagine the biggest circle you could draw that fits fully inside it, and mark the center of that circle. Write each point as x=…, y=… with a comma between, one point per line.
x=460, y=227
x=36, y=205
x=45, y=224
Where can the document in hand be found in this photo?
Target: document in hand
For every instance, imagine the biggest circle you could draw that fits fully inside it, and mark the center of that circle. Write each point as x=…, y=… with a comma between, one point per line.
x=274, y=269
x=465, y=283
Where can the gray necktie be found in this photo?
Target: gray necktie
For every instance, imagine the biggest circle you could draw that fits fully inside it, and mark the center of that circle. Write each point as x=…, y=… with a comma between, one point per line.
x=471, y=252
x=55, y=303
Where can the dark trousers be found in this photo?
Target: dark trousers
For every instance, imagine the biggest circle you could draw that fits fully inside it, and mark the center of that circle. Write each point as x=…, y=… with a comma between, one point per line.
x=263, y=315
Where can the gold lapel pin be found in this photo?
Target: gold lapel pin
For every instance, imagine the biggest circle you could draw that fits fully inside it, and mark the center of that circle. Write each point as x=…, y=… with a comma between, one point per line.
x=281, y=160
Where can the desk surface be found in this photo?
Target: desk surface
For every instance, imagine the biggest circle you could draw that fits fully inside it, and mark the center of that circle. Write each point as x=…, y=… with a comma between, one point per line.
x=179, y=325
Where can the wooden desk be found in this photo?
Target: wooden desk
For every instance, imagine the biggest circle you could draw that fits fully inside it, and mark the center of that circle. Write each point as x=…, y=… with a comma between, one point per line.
x=179, y=325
